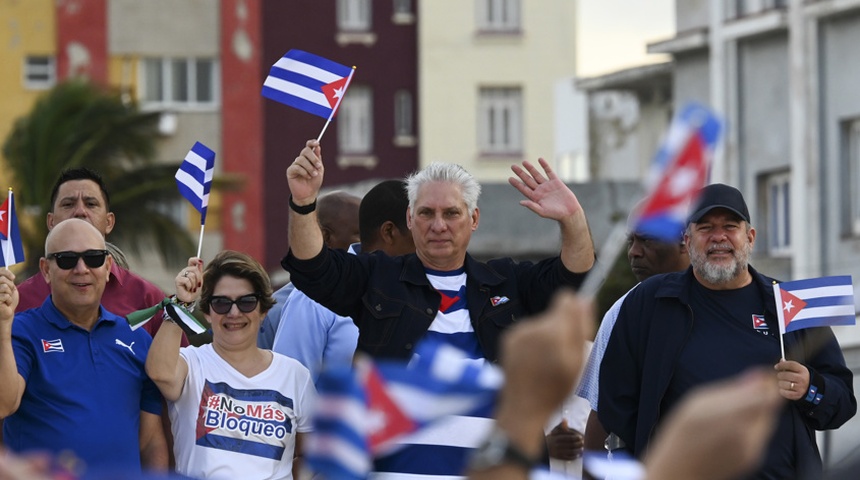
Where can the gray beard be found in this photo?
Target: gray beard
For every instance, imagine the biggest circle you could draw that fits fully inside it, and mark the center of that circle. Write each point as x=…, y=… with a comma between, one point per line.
x=720, y=274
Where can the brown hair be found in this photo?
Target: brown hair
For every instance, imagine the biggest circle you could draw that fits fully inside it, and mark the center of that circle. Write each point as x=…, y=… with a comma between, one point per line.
x=238, y=265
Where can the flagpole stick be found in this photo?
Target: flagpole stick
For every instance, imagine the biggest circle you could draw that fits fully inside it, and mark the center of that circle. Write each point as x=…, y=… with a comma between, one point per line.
x=337, y=104
x=8, y=229
x=606, y=258
x=200, y=242
x=782, y=346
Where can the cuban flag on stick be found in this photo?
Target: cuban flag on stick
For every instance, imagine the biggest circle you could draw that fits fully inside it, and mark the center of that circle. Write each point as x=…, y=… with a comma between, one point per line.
x=362, y=412
x=680, y=169
x=194, y=179
x=816, y=302
x=308, y=82
x=10, y=236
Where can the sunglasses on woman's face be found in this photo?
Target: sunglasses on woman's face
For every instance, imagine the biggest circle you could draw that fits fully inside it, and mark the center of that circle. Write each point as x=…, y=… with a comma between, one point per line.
x=246, y=303
x=68, y=260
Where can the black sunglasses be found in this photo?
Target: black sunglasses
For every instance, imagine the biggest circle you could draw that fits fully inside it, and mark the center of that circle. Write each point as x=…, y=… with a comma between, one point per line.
x=245, y=303
x=68, y=260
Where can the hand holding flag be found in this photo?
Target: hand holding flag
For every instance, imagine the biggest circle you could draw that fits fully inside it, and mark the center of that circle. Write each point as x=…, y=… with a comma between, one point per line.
x=10, y=235
x=816, y=302
x=194, y=179
x=308, y=82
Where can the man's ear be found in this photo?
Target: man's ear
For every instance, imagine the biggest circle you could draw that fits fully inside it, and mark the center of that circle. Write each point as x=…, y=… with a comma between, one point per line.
x=326, y=234
x=43, y=269
x=386, y=232
x=49, y=221
x=409, y=218
x=111, y=221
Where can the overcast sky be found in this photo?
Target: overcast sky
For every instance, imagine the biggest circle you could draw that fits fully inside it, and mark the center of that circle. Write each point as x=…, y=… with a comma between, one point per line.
x=613, y=33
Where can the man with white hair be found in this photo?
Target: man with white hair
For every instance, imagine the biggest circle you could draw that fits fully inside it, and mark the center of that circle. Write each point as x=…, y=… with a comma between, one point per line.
x=440, y=291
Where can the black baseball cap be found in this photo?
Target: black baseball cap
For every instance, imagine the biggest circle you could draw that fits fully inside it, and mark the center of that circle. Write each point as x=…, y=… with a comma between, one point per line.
x=719, y=195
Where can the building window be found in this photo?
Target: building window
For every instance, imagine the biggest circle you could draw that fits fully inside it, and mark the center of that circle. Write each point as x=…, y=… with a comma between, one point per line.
x=355, y=121
x=403, y=114
x=851, y=181
x=353, y=15
x=40, y=72
x=500, y=121
x=403, y=7
x=498, y=15
x=179, y=82
x=778, y=188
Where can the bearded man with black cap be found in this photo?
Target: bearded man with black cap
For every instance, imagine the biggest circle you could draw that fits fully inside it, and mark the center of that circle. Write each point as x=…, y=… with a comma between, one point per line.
x=680, y=330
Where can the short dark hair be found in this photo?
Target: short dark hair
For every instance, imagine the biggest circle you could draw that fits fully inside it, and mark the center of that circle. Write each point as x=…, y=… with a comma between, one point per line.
x=80, y=173
x=385, y=202
x=238, y=265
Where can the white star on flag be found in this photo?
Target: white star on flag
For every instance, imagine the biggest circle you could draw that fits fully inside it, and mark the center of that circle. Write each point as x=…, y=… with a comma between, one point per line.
x=789, y=305
x=680, y=182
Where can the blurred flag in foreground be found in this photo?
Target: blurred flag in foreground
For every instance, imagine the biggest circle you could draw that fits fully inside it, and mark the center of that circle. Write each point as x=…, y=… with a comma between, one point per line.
x=10, y=237
x=194, y=177
x=816, y=302
x=362, y=412
x=679, y=170
x=308, y=82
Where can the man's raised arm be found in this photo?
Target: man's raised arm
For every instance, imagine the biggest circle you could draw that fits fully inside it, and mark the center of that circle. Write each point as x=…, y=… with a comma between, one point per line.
x=550, y=198
x=304, y=177
x=13, y=383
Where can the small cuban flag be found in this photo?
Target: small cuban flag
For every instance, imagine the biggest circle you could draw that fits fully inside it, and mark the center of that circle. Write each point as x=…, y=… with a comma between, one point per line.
x=194, y=177
x=10, y=236
x=363, y=411
x=816, y=302
x=308, y=82
x=679, y=170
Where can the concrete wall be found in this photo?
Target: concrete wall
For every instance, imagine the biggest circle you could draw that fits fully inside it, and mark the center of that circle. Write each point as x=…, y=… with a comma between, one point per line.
x=840, y=70
x=455, y=61
x=691, y=80
x=690, y=14
x=185, y=28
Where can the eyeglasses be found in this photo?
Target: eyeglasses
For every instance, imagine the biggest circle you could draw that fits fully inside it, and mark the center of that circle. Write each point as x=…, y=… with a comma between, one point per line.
x=69, y=260
x=245, y=303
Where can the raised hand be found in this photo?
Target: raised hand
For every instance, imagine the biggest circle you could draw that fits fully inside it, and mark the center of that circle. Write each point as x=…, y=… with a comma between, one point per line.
x=189, y=281
x=8, y=296
x=546, y=195
x=305, y=174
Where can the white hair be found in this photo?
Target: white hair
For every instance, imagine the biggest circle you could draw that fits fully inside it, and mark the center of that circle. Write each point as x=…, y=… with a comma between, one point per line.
x=470, y=189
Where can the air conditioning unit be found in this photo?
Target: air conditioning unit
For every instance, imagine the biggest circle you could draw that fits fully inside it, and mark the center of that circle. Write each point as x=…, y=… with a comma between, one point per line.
x=167, y=123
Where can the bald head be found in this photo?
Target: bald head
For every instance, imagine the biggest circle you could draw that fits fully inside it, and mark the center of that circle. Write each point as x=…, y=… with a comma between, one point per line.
x=338, y=216
x=69, y=229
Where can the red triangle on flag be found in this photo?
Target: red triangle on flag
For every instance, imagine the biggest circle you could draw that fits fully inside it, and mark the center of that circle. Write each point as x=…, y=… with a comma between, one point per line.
x=387, y=420
x=683, y=177
x=4, y=218
x=334, y=91
x=791, y=305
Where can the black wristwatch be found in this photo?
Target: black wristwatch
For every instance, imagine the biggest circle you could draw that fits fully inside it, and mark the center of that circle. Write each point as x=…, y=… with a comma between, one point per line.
x=302, y=209
x=498, y=450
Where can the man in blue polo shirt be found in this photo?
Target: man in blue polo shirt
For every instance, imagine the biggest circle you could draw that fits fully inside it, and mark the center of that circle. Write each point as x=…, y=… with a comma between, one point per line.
x=73, y=373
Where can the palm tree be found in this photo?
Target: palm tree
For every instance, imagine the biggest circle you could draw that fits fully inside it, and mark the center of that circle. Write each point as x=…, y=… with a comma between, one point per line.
x=80, y=124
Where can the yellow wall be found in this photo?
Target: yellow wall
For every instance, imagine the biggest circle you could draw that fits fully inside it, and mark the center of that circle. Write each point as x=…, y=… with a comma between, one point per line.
x=28, y=28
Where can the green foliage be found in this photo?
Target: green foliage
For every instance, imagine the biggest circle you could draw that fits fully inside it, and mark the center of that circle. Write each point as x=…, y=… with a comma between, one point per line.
x=79, y=124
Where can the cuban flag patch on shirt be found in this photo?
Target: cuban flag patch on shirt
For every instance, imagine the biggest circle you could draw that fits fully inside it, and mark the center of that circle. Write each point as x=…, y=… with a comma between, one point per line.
x=758, y=322
x=52, y=345
x=496, y=301
x=253, y=422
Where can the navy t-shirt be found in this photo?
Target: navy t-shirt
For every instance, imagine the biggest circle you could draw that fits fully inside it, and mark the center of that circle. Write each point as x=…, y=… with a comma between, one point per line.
x=729, y=335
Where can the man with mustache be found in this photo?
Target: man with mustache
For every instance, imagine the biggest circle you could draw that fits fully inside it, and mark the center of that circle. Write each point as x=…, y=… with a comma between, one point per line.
x=680, y=330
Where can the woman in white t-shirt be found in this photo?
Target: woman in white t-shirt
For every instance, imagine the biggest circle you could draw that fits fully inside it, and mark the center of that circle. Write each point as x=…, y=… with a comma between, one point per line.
x=236, y=411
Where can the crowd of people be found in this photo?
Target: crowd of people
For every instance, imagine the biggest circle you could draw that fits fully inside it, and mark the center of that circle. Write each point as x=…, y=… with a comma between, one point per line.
x=684, y=376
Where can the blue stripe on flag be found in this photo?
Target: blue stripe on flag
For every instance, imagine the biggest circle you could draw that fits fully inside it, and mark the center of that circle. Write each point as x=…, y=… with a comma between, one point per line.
x=828, y=321
x=297, y=78
x=296, y=102
x=306, y=58
x=838, y=280
x=829, y=301
x=425, y=460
